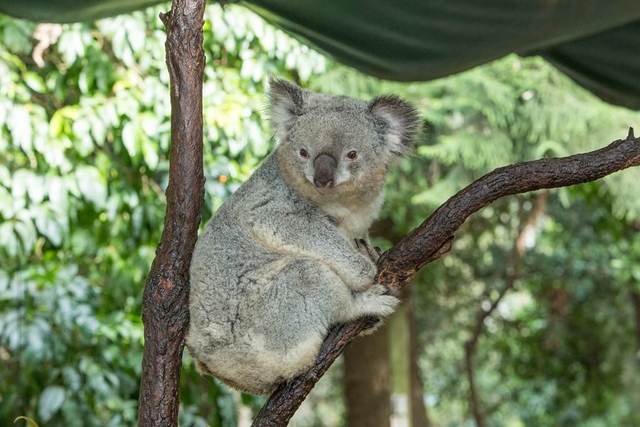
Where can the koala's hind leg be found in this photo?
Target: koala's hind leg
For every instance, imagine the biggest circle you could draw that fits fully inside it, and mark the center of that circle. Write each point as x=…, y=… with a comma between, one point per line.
x=309, y=297
x=323, y=291
x=302, y=302
x=305, y=299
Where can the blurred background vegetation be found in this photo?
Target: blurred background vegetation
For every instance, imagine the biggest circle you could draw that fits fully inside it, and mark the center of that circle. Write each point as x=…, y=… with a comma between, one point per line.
x=532, y=319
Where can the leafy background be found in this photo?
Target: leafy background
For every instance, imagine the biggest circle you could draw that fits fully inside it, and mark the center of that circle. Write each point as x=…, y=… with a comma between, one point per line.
x=84, y=141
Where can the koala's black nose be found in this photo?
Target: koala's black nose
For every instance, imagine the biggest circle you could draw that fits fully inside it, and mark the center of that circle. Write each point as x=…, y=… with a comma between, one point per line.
x=325, y=167
x=323, y=184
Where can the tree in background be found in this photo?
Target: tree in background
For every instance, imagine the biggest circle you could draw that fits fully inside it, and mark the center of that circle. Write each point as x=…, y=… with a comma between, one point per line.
x=84, y=136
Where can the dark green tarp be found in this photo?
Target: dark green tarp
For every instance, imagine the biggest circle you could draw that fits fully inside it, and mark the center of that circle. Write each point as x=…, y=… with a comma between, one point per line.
x=595, y=42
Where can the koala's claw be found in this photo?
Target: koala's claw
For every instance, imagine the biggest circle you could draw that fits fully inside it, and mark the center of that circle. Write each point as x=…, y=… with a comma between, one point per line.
x=383, y=290
x=378, y=290
x=373, y=253
x=372, y=322
x=372, y=325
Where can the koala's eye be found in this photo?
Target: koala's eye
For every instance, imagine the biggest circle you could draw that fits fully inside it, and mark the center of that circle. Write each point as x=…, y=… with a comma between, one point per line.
x=352, y=155
x=304, y=153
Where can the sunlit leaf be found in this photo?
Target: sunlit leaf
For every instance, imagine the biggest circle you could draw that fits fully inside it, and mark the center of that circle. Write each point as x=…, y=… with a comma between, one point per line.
x=18, y=37
x=129, y=139
x=91, y=184
x=18, y=123
x=30, y=422
x=27, y=233
x=48, y=225
x=50, y=402
x=34, y=81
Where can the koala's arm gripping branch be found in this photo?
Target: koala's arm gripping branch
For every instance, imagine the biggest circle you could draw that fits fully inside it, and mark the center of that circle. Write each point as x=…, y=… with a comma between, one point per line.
x=433, y=238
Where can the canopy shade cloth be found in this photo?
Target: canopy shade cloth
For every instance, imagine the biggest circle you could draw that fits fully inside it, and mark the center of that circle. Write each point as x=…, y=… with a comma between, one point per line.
x=595, y=42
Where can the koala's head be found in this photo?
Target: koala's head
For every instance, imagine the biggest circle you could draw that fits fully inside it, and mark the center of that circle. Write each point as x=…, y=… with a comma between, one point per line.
x=330, y=146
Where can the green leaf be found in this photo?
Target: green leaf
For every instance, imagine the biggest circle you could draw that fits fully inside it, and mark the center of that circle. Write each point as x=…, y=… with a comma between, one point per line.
x=246, y=399
x=56, y=123
x=82, y=130
x=20, y=127
x=20, y=183
x=92, y=185
x=48, y=225
x=17, y=38
x=129, y=139
x=57, y=191
x=5, y=176
x=35, y=187
x=34, y=81
x=50, y=402
x=150, y=153
x=9, y=240
x=29, y=421
x=27, y=234
x=553, y=147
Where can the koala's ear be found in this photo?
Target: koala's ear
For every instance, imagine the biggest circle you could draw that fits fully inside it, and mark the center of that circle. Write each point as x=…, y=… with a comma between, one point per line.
x=285, y=103
x=401, y=120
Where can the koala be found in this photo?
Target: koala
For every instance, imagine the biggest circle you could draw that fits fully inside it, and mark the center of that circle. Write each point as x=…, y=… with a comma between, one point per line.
x=288, y=255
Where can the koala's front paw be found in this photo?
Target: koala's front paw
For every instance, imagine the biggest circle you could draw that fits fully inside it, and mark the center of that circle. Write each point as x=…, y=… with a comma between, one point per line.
x=360, y=272
x=368, y=272
x=375, y=301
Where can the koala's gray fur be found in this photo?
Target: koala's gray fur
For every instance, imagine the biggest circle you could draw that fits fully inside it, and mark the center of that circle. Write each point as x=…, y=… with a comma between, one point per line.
x=280, y=261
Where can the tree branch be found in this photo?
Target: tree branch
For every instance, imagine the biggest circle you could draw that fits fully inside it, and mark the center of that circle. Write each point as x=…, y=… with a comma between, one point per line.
x=165, y=309
x=433, y=238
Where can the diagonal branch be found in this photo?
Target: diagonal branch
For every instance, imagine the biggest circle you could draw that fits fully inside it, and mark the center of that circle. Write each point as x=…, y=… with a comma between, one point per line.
x=433, y=238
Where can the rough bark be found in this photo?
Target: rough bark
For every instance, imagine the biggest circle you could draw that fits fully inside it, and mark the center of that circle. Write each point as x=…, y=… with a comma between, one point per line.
x=366, y=381
x=165, y=302
x=433, y=238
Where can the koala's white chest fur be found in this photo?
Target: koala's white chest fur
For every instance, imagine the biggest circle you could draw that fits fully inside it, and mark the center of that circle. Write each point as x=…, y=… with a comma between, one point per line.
x=354, y=221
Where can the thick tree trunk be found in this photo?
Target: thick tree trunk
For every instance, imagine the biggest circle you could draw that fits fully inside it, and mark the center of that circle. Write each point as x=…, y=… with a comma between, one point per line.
x=366, y=381
x=166, y=295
